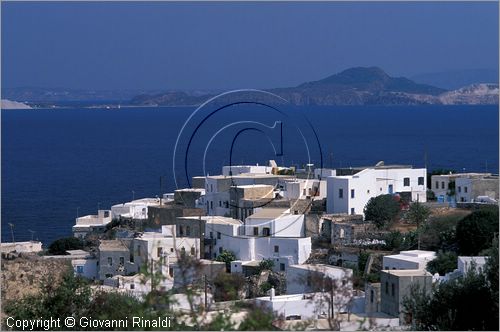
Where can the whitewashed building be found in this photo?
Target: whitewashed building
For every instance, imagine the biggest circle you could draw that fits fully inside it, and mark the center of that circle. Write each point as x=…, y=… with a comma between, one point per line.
x=350, y=193
x=91, y=223
x=136, y=209
x=476, y=188
x=465, y=263
x=277, y=222
x=163, y=248
x=305, y=188
x=408, y=260
x=305, y=278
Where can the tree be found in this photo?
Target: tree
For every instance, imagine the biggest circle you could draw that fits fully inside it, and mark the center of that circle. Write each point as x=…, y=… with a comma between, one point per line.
x=461, y=304
x=60, y=246
x=228, y=286
x=444, y=262
x=476, y=231
x=266, y=264
x=381, y=210
x=227, y=257
x=418, y=214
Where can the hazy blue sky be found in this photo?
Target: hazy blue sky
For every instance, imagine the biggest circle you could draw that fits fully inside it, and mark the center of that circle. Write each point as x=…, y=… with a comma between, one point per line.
x=230, y=45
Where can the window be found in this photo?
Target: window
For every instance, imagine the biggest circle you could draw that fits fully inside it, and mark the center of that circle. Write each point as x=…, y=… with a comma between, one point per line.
x=420, y=180
x=372, y=295
x=309, y=281
x=218, y=235
x=188, y=231
x=211, y=235
x=211, y=188
x=342, y=233
x=220, y=203
x=442, y=184
x=171, y=249
x=211, y=205
x=465, y=189
x=110, y=261
x=341, y=193
x=220, y=250
x=392, y=289
x=256, y=231
x=138, y=250
x=352, y=193
x=352, y=210
x=192, y=251
x=109, y=275
x=437, y=184
x=406, y=182
x=132, y=286
x=122, y=260
x=459, y=189
x=79, y=269
x=368, y=191
x=183, y=251
x=131, y=258
x=387, y=287
x=181, y=231
x=266, y=231
x=171, y=272
x=282, y=267
x=276, y=249
x=159, y=251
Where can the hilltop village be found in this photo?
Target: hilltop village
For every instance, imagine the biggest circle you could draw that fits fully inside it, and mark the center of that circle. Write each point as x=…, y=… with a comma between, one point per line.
x=316, y=248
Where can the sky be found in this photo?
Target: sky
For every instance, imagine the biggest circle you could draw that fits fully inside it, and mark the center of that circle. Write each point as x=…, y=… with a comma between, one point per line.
x=130, y=45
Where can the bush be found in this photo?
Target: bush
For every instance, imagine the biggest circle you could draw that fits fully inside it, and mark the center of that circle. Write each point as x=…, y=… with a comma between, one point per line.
x=227, y=257
x=228, y=286
x=382, y=210
x=444, y=262
x=60, y=246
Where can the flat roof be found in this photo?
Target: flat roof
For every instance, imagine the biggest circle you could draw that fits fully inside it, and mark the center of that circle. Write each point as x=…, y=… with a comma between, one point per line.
x=255, y=186
x=268, y=213
x=117, y=245
x=408, y=273
x=319, y=267
x=214, y=219
x=476, y=259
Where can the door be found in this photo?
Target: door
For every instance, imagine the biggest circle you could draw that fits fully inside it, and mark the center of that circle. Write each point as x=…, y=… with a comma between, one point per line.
x=391, y=191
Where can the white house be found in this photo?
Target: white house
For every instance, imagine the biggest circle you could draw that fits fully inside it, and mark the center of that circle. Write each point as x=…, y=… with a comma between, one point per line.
x=242, y=169
x=408, y=260
x=136, y=209
x=306, y=278
x=350, y=193
x=277, y=222
x=163, y=247
x=305, y=188
x=86, y=267
x=465, y=263
x=91, y=223
x=27, y=247
x=470, y=188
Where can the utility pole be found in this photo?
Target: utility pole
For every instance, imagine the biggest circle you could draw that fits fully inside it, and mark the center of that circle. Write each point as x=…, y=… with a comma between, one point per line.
x=32, y=233
x=206, y=296
x=12, y=231
x=161, y=186
x=152, y=276
x=77, y=215
x=133, y=195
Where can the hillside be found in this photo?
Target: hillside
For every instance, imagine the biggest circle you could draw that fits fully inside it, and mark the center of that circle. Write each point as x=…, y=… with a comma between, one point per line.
x=354, y=86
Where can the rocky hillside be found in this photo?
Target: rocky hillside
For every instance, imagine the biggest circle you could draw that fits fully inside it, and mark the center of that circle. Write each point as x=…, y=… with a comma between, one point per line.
x=354, y=86
x=473, y=94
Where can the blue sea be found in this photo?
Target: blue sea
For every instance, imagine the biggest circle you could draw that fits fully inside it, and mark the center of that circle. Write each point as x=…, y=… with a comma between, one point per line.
x=58, y=162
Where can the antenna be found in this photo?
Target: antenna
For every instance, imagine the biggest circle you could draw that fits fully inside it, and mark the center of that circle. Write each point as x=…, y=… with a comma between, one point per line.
x=12, y=231
x=32, y=233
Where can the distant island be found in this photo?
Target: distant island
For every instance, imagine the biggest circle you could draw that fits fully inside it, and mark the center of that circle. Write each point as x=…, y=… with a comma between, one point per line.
x=354, y=86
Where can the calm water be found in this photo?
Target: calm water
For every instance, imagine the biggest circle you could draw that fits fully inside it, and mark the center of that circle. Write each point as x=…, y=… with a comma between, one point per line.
x=55, y=161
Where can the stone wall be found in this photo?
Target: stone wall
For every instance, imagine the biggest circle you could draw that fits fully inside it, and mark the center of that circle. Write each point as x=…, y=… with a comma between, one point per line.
x=22, y=276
